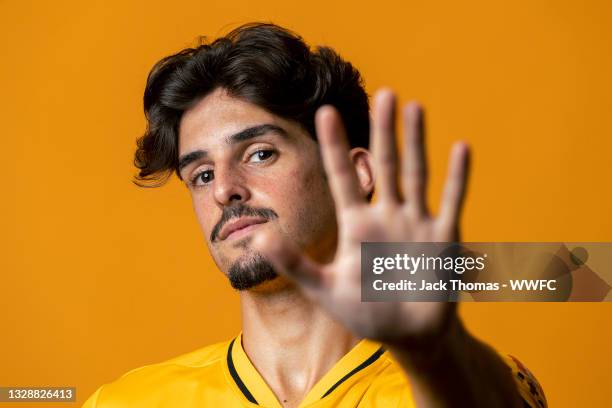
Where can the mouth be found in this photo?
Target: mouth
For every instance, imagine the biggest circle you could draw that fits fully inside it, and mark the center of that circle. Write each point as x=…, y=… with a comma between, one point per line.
x=240, y=227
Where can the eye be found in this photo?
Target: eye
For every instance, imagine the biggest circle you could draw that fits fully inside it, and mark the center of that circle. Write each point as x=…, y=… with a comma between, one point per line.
x=202, y=178
x=261, y=155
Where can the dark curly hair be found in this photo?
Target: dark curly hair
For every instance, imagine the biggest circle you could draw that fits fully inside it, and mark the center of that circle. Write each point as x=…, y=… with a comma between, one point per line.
x=260, y=63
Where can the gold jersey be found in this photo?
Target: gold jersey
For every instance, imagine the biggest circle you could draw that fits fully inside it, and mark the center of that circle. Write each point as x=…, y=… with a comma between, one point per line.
x=221, y=375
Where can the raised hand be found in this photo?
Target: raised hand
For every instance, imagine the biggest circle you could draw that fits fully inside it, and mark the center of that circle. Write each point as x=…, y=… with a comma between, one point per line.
x=400, y=214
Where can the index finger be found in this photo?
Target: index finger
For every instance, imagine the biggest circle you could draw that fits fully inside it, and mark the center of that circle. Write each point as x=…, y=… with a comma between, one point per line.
x=342, y=177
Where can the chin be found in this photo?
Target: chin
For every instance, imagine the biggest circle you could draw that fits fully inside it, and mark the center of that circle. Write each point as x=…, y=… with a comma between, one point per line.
x=250, y=271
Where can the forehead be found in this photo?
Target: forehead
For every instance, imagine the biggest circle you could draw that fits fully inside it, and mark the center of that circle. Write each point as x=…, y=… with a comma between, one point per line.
x=218, y=115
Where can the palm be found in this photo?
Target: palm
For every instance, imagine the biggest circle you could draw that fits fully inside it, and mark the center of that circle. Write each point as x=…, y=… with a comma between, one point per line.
x=400, y=214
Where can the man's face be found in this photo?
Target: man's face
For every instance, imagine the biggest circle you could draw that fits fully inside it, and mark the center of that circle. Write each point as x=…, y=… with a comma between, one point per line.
x=249, y=170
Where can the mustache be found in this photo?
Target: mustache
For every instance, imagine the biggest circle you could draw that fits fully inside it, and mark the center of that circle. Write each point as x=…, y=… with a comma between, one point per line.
x=240, y=210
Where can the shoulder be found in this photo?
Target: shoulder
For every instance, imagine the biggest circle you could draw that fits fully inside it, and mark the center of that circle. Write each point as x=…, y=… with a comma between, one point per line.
x=200, y=357
x=530, y=389
x=145, y=384
x=390, y=387
x=391, y=382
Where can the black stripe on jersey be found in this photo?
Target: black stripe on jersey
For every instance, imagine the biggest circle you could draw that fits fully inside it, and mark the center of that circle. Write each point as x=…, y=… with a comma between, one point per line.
x=236, y=377
x=360, y=367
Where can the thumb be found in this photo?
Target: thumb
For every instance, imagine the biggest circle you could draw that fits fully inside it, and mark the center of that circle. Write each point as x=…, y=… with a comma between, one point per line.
x=287, y=258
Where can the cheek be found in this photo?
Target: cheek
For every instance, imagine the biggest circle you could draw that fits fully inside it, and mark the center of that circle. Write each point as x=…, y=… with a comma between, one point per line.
x=206, y=218
x=310, y=206
x=314, y=185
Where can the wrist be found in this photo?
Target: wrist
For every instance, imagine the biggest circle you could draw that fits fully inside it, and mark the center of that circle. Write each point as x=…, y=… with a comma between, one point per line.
x=430, y=349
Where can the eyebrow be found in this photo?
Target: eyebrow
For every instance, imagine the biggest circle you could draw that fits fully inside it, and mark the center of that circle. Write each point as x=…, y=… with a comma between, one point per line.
x=244, y=134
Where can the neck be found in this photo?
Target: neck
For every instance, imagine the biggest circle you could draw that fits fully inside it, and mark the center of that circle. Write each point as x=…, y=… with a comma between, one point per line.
x=290, y=341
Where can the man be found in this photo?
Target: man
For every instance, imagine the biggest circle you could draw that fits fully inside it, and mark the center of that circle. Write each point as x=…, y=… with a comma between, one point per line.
x=272, y=141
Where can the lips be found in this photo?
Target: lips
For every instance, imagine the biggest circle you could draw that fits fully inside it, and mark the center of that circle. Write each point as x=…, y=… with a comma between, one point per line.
x=239, y=224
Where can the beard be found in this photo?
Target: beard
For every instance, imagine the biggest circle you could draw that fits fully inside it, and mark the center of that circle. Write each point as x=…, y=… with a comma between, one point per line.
x=251, y=272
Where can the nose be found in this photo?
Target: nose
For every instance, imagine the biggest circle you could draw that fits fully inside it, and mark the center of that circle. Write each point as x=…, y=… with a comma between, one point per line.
x=230, y=187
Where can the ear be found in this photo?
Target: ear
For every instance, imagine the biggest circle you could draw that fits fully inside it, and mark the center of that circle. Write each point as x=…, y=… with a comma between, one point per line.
x=362, y=160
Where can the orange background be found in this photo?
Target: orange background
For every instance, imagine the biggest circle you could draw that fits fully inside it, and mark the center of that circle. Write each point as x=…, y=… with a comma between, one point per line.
x=99, y=276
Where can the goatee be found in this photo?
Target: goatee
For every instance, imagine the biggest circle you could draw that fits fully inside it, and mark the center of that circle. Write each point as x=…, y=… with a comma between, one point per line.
x=246, y=274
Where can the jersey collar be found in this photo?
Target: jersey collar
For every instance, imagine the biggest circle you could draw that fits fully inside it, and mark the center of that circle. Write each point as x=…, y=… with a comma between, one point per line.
x=361, y=358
